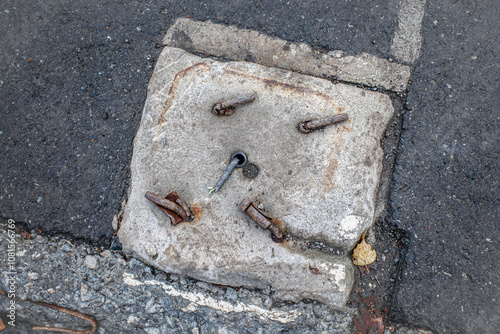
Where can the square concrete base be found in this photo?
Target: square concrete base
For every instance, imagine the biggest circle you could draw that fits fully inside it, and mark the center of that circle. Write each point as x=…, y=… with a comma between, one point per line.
x=321, y=186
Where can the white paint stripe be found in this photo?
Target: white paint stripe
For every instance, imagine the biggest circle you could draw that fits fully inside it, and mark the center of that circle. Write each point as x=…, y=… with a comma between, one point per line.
x=198, y=299
x=407, y=41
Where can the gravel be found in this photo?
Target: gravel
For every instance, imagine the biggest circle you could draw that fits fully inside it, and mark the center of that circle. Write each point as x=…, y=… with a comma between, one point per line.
x=92, y=281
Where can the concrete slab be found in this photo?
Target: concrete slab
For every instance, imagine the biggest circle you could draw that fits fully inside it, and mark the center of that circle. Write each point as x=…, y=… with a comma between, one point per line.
x=321, y=186
x=243, y=44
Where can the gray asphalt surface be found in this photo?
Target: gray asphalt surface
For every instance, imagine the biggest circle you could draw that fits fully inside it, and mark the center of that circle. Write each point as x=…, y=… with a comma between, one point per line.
x=446, y=191
x=73, y=80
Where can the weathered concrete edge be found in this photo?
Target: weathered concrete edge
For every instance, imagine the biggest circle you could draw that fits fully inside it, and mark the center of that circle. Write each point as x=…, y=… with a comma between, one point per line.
x=127, y=276
x=247, y=45
x=279, y=293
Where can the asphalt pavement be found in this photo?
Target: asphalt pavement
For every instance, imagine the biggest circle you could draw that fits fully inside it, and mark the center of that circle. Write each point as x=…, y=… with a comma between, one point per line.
x=73, y=80
x=445, y=191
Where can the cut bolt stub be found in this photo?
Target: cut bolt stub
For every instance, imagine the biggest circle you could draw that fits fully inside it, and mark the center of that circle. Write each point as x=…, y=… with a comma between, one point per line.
x=226, y=108
x=308, y=126
x=238, y=160
x=251, y=170
x=176, y=209
x=261, y=218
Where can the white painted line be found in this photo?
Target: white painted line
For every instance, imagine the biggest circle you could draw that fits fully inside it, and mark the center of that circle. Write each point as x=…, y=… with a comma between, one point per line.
x=407, y=42
x=198, y=299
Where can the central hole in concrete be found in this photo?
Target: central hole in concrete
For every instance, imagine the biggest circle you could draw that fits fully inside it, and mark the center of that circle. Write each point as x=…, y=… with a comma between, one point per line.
x=242, y=159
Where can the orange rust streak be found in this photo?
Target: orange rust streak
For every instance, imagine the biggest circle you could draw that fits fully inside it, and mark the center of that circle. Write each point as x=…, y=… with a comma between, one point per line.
x=330, y=173
x=332, y=167
x=204, y=65
x=278, y=223
x=175, y=86
x=280, y=84
x=197, y=210
x=344, y=128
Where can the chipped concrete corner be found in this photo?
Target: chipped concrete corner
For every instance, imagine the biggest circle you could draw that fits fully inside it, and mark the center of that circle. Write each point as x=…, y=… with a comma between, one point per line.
x=246, y=45
x=321, y=186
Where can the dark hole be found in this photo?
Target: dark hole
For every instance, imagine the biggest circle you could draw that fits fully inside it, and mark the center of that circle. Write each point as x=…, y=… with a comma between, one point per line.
x=242, y=158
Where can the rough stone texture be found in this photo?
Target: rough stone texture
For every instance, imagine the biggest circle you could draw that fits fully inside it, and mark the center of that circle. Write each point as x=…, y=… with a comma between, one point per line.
x=407, y=43
x=321, y=186
x=241, y=44
x=131, y=297
x=406, y=330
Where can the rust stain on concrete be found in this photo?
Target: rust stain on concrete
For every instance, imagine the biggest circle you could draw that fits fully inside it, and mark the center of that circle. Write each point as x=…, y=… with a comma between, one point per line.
x=332, y=167
x=197, y=210
x=196, y=68
x=283, y=85
x=330, y=173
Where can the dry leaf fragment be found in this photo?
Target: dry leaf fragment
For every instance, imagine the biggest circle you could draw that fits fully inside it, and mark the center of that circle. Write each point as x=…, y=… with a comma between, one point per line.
x=2, y=326
x=363, y=254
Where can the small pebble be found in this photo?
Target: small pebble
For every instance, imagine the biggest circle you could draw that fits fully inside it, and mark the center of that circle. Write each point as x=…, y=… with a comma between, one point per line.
x=33, y=276
x=85, y=292
x=231, y=294
x=106, y=253
x=132, y=319
x=91, y=262
x=152, y=330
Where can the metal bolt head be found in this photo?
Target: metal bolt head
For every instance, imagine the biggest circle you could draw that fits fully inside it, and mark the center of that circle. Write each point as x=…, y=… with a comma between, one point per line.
x=226, y=108
x=245, y=204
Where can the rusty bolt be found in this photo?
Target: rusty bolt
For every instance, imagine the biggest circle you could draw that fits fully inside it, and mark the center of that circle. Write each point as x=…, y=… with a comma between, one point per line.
x=226, y=108
x=176, y=209
x=261, y=218
x=308, y=126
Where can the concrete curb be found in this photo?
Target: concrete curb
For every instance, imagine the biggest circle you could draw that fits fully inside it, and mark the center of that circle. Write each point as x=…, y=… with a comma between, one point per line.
x=242, y=44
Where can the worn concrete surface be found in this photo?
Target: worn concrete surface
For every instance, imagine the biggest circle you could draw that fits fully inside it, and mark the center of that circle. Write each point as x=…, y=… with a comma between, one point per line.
x=57, y=58
x=73, y=73
x=321, y=186
x=242, y=44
